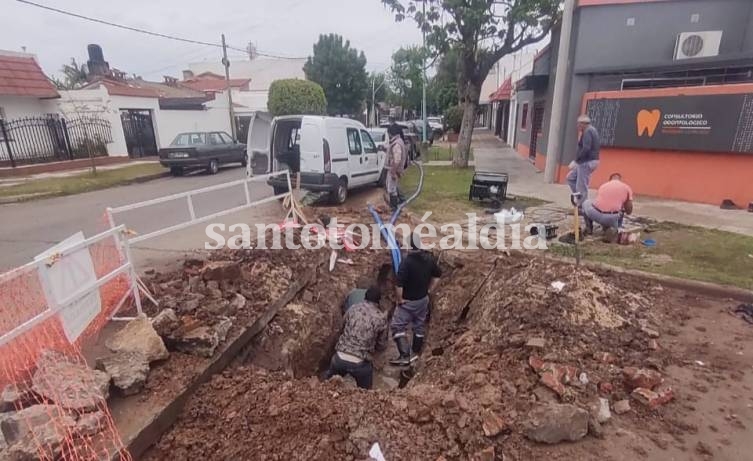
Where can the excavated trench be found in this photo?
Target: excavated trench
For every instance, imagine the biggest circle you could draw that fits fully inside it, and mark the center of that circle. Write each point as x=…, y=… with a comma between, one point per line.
x=495, y=322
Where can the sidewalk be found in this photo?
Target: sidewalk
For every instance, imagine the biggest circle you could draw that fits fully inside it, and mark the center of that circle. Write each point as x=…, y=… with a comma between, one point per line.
x=12, y=181
x=492, y=154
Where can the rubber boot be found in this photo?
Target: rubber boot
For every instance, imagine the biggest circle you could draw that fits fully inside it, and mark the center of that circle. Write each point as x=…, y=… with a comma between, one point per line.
x=403, y=349
x=418, y=345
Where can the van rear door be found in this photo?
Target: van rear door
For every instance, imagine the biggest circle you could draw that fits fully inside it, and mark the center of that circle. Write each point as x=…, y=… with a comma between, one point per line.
x=311, y=145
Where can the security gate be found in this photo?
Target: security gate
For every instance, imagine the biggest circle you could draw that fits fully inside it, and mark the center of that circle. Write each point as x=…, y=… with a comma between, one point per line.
x=139, y=132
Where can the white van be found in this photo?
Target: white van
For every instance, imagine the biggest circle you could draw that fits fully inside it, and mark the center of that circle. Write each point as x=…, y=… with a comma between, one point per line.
x=332, y=154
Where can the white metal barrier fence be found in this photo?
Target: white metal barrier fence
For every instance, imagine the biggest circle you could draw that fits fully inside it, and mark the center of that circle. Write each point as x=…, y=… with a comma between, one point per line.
x=111, y=212
x=68, y=304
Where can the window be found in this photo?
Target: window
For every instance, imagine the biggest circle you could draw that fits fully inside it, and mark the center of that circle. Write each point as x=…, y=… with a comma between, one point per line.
x=377, y=136
x=368, y=144
x=524, y=118
x=226, y=137
x=215, y=139
x=354, y=142
x=189, y=139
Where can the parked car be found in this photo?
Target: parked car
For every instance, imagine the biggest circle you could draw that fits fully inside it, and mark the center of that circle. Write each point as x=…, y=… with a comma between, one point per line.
x=412, y=140
x=200, y=149
x=436, y=125
x=380, y=137
x=331, y=154
x=419, y=128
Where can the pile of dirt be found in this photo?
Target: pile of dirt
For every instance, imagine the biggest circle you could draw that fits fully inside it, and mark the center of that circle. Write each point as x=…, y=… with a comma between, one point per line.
x=503, y=343
x=253, y=414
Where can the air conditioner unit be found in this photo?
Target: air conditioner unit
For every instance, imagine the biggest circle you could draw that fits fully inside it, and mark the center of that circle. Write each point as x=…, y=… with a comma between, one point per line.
x=698, y=44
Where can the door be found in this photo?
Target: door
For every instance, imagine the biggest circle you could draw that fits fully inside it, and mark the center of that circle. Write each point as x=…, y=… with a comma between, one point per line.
x=356, y=164
x=310, y=146
x=217, y=147
x=538, y=120
x=234, y=150
x=370, y=158
x=138, y=129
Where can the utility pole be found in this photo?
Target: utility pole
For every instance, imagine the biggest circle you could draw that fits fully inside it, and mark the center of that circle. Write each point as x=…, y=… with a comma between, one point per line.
x=558, y=107
x=424, y=129
x=231, y=111
x=373, y=102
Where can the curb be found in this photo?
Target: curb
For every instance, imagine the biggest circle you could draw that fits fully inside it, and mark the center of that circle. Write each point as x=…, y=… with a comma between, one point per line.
x=40, y=196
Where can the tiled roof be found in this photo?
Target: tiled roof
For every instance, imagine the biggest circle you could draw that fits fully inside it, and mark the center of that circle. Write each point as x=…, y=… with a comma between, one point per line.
x=215, y=84
x=22, y=76
x=504, y=91
x=118, y=88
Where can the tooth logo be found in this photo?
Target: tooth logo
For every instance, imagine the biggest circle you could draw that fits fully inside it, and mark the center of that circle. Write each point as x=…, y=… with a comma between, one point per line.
x=647, y=121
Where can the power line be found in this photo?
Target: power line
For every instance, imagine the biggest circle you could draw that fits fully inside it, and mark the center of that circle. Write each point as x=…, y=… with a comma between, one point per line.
x=144, y=31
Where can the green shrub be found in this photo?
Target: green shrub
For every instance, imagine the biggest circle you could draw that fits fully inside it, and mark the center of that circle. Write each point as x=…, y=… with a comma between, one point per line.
x=294, y=96
x=453, y=118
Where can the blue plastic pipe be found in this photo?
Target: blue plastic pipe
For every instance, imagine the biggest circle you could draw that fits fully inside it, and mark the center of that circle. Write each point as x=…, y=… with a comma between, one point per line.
x=386, y=231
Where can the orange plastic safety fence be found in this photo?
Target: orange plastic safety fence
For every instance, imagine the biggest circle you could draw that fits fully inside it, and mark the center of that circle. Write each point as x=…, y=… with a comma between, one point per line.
x=60, y=401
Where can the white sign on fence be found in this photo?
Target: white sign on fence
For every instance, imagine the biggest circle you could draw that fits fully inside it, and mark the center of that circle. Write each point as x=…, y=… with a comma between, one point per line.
x=64, y=278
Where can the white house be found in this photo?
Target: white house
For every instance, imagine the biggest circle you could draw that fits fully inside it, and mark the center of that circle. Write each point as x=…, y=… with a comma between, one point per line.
x=143, y=119
x=261, y=71
x=24, y=88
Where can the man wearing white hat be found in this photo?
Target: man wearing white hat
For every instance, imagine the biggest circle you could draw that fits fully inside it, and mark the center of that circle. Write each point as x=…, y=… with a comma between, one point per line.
x=586, y=161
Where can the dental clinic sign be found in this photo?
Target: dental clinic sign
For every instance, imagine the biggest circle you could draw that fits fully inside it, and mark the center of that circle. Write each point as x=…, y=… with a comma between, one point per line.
x=703, y=123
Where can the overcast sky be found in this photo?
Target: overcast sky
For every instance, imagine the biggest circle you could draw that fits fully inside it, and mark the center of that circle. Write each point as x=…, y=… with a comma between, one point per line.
x=286, y=27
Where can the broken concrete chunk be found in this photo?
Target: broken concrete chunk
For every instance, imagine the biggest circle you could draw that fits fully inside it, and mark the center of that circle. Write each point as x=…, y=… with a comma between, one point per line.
x=14, y=396
x=238, y=302
x=91, y=423
x=601, y=411
x=127, y=369
x=621, y=406
x=72, y=385
x=223, y=328
x=222, y=270
x=36, y=432
x=165, y=322
x=203, y=340
x=555, y=423
x=139, y=336
x=492, y=424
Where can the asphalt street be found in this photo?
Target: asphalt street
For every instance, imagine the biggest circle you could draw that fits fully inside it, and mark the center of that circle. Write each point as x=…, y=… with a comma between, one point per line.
x=27, y=229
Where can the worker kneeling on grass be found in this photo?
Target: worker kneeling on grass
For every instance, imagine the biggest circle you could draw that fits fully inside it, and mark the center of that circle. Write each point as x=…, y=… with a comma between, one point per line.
x=613, y=200
x=364, y=332
x=416, y=278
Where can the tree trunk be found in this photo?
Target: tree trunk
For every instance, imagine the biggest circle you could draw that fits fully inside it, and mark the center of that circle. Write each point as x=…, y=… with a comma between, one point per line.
x=470, y=105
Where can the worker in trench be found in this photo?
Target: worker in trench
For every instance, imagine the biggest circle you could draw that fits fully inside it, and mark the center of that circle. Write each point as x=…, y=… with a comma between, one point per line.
x=364, y=332
x=358, y=294
x=417, y=276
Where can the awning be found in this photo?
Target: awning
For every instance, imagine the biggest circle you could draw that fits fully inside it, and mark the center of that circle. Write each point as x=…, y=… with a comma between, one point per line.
x=504, y=91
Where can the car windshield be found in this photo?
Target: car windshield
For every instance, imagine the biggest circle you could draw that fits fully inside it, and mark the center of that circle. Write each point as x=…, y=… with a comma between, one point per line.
x=189, y=139
x=377, y=136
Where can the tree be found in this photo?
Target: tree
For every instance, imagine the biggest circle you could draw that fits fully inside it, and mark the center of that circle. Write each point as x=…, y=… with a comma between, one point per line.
x=453, y=118
x=74, y=76
x=341, y=72
x=406, y=76
x=294, y=96
x=483, y=32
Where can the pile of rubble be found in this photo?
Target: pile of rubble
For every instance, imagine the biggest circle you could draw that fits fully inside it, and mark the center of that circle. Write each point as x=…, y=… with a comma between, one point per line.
x=65, y=401
x=512, y=362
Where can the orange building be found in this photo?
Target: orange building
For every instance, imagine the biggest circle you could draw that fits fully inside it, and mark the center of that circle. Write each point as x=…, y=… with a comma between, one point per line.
x=668, y=85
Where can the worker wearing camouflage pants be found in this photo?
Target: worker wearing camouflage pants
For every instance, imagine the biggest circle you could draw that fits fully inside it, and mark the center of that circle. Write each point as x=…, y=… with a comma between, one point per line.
x=417, y=276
